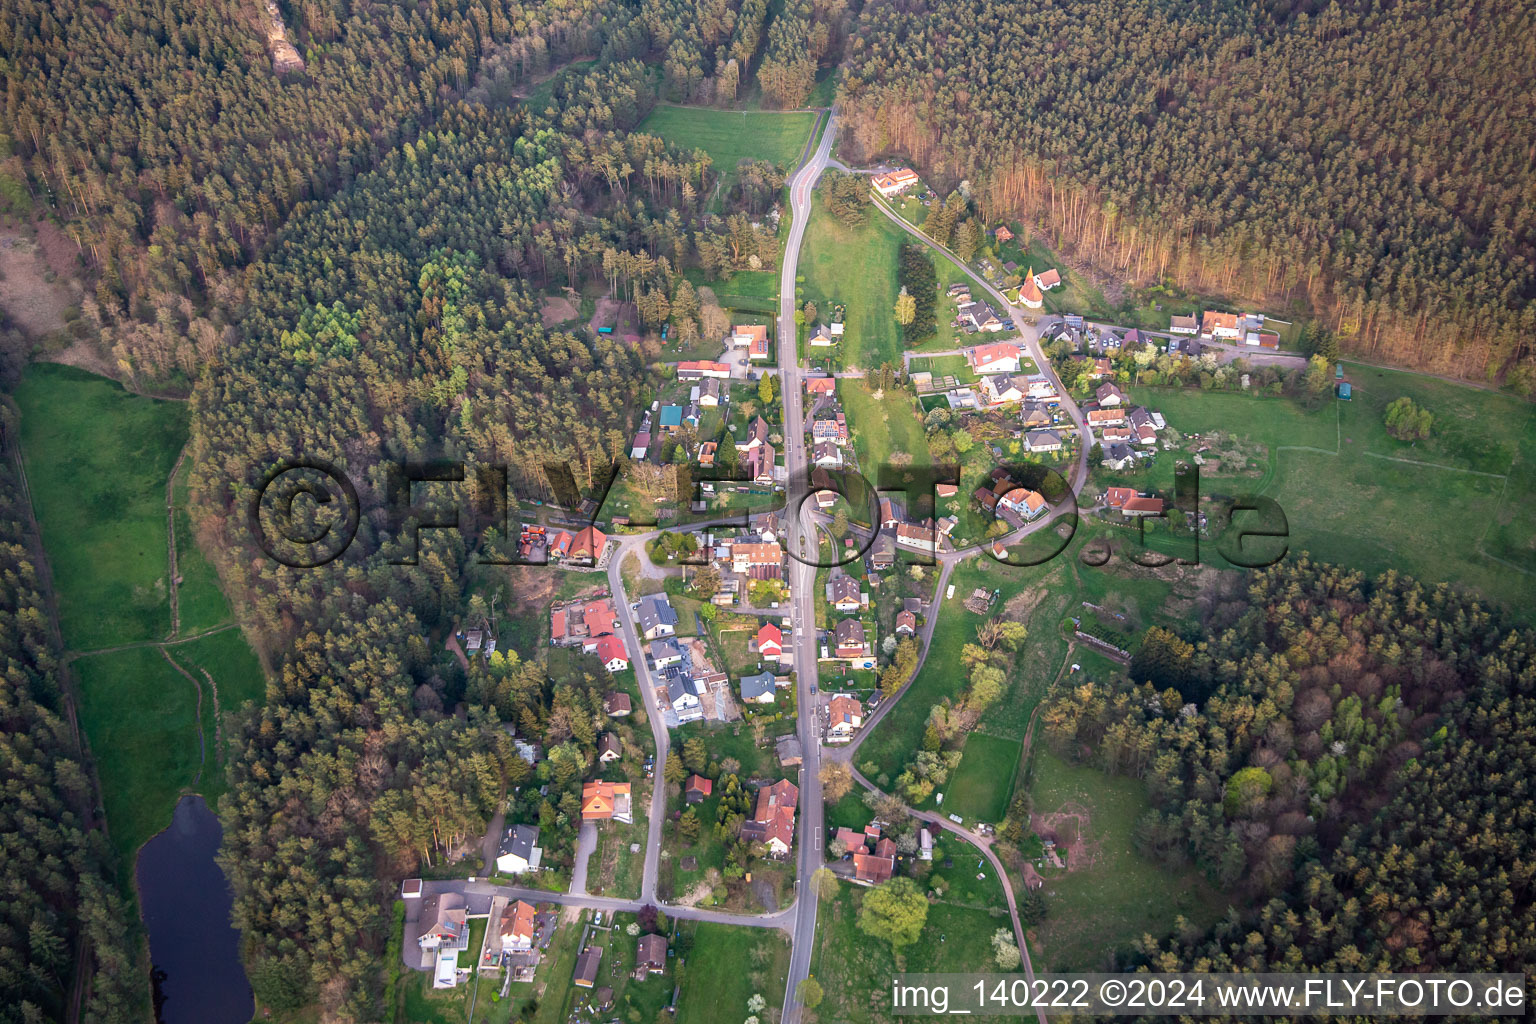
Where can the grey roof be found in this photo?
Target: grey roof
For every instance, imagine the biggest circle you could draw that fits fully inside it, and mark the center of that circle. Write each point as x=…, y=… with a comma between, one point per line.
x=667, y=647
x=1042, y=437
x=519, y=840
x=1140, y=417
x=656, y=610
x=756, y=686
x=850, y=630
x=678, y=685
x=1119, y=452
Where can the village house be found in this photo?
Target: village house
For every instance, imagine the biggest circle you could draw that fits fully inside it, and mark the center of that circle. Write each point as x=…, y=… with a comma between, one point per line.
x=846, y=594
x=587, y=964
x=896, y=182
x=906, y=624
x=882, y=554
x=820, y=386
x=602, y=801
x=683, y=694
x=1001, y=389
x=582, y=622
x=707, y=452
x=760, y=561
x=517, y=926
x=773, y=823
x=519, y=850
x=586, y=545
x=656, y=616
x=1219, y=326
x=759, y=464
x=1002, y=234
x=609, y=749
x=1116, y=497
x=1119, y=456
x=1183, y=325
x=1108, y=395
x=1140, y=506
x=709, y=393
x=651, y=954
x=787, y=748
x=757, y=435
x=1023, y=502
x=826, y=455
x=979, y=316
x=877, y=867
x=1104, y=417
x=1114, y=435
x=850, y=640
x=1048, y=279
x=761, y=688
x=610, y=651
x=1140, y=422
x=697, y=369
x=617, y=705
x=770, y=642
x=666, y=651
x=844, y=715
x=697, y=789
x=833, y=429
x=821, y=337
x=1035, y=414
x=921, y=537
x=446, y=929
x=1037, y=441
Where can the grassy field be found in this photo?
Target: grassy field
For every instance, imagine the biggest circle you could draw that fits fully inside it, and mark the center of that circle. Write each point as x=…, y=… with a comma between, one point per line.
x=726, y=965
x=982, y=785
x=1453, y=507
x=1097, y=912
x=97, y=460
x=730, y=137
x=881, y=427
x=855, y=971
x=855, y=266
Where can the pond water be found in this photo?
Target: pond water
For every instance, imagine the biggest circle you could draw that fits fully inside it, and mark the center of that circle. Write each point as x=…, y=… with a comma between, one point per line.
x=186, y=903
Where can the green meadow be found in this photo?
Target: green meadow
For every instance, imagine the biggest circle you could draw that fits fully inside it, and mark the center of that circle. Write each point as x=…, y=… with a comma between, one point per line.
x=731, y=136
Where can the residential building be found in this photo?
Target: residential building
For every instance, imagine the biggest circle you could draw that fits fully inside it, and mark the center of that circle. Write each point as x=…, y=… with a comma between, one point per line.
x=759, y=464
x=1023, y=502
x=757, y=435
x=826, y=455
x=697, y=369
x=709, y=393
x=1140, y=506
x=1183, y=325
x=707, y=452
x=589, y=543
x=906, y=623
x=1108, y=395
x=582, y=623
x=743, y=335
x=1119, y=456
x=751, y=558
x=1116, y=497
x=896, y=182
x=846, y=594
x=518, y=925
x=666, y=651
x=587, y=964
x=979, y=316
x=610, y=651
x=1141, y=424
x=609, y=749
x=833, y=429
x=773, y=822
x=788, y=749
x=1001, y=389
x=882, y=555
x=640, y=445
x=1048, y=280
x=446, y=927
x=821, y=385
x=871, y=869
x=697, y=789
x=759, y=689
x=617, y=705
x=656, y=616
x=821, y=337
x=651, y=954
x=683, y=695
x=850, y=639
x=1104, y=417
x=918, y=536
x=1036, y=414
x=1042, y=441
x=844, y=715
x=1219, y=326
x=770, y=642
x=602, y=801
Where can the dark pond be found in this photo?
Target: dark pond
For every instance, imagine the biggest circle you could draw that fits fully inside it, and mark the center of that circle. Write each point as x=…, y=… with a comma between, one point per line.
x=186, y=902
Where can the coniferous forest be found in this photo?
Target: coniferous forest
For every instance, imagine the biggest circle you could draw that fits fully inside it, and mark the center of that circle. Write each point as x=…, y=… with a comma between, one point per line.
x=347, y=261
x=1371, y=160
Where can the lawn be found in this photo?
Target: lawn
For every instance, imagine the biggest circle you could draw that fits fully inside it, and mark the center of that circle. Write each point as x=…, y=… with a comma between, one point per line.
x=725, y=966
x=941, y=366
x=1096, y=913
x=1450, y=508
x=855, y=266
x=730, y=136
x=983, y=783
x=202, y=605
x=881, y=427
x=97, y=460
x=855, y=971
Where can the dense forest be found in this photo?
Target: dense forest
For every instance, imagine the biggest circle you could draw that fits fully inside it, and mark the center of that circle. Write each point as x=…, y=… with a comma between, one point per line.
x=1371, y=160
x=63, y=922
x=401, y=319
x=1354, y=752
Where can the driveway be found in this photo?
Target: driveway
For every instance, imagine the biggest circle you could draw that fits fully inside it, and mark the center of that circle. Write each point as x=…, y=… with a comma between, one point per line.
x=586, y=842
